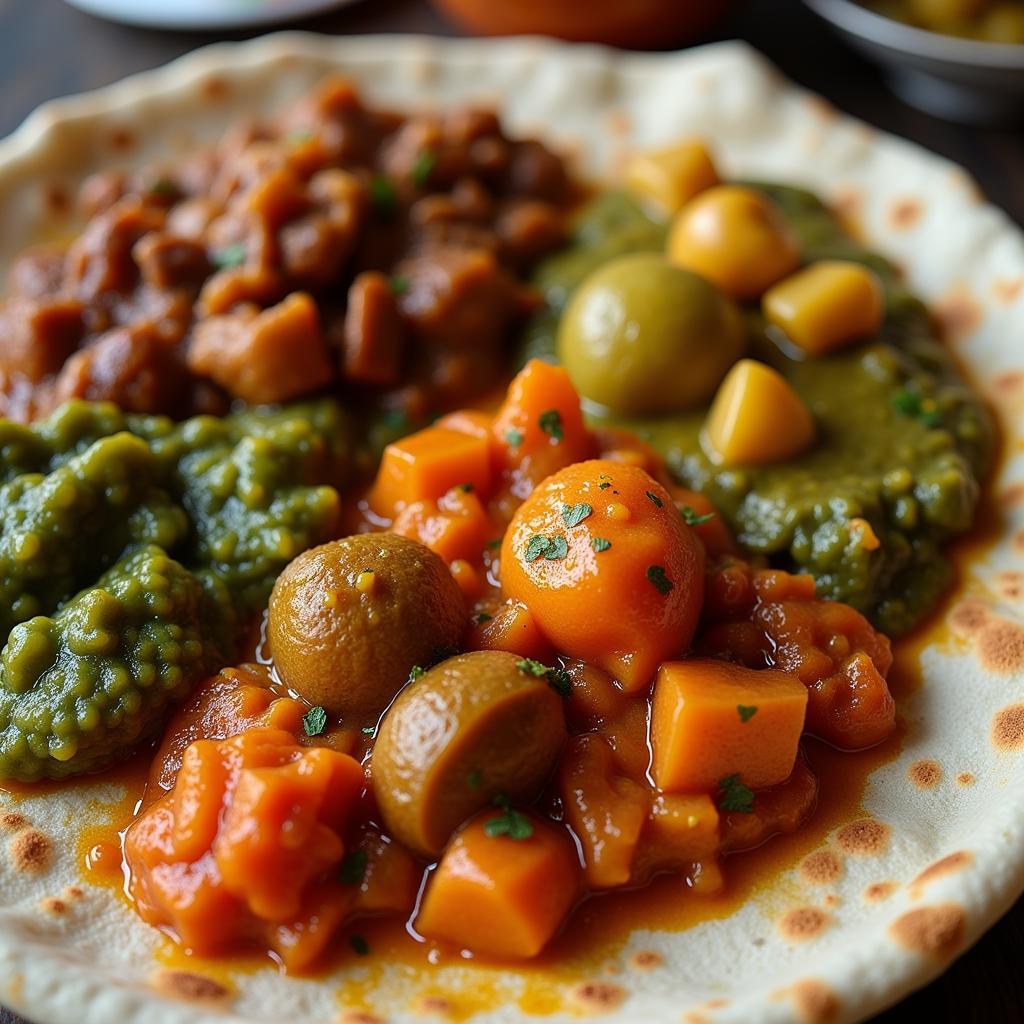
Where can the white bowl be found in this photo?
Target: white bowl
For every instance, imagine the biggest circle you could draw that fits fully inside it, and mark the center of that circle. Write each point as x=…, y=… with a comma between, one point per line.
x=958, y=79
x=204, y=14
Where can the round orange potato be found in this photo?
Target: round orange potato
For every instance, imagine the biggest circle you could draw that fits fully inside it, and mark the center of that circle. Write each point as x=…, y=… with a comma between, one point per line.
x=611, y=574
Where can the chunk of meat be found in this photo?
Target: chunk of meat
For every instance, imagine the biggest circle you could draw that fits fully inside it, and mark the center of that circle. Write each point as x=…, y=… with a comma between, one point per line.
x=265, y=357
x=528, y=229
x=460, y=298
x=166, y=261
x=131, y=366
x=373, y=332
x=37, y=335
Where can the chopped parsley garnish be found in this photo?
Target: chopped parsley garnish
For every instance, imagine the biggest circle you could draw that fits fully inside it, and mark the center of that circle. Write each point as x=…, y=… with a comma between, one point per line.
x=400, y=284
x=551, y=548
x=314, y=721
x=163, y=187
x=353, y=868
x=467, y=487
x=600, y=544
x=394, y=420
x=474, y=778
x=423, y=167
x=443, y=653
x=368, y=730
x=735, y=796
x=415, y=672
x=657, y=501
x=910, y=403
x=692, y=519
x=230, y=256
x=494, y=544
x=359, y=944
x=746, y=712
x=551, y=423
x=560, y=680
x=656, y=574
x=604, y=486
x=575, y=514
x=514, y=437
x=509, y=823
x=482, y=617
x=383, y=197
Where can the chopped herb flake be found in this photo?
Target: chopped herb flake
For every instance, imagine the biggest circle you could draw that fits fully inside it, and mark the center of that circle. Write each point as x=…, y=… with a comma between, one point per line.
x=931, y=418
x=656, y=574
x=314, y=721
x=654, y=498
x=538, y=546
x=359, y=944
x=467, y=487
x=510, y=823
x=691, y=518
x=604, y=486
x=735, y=796
x=230, y=256
x=532, y=667
x=575, y=514
x=514, y=437
x=443, y=653
x=368, y=730
x=551, y=423
x=163, y=187
x=353, y=868
x=400, y=284
x=746, y=712
x=561, y=681
x=474, y=778
x=494, y=543
x=383, y=197
x=557, y=548
x=599, y=544
x=423, y=167
x=482, y=617
x=415, y=672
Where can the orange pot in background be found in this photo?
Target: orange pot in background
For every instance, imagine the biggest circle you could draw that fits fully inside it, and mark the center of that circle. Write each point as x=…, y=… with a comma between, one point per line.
x=634, y=24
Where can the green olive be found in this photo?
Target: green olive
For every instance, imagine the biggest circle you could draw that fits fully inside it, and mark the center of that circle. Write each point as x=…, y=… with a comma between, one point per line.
x=349, y=620
x=472, y=728
x=641, y=336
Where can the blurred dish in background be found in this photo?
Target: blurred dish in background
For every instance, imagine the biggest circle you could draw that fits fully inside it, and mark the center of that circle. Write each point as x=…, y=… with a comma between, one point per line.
x=204, y=14
x=960, y=79
x=638, y=24
x=991, y=21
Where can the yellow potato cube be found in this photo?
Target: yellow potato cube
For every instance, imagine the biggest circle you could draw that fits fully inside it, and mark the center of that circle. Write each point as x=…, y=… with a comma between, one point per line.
x=711, y=720
x=827, y=305
x=672, y=176
x=756, y=417
x=736, y=238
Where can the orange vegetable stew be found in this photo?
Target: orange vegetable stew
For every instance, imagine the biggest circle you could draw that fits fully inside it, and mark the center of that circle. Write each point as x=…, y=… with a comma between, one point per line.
x=550, y=677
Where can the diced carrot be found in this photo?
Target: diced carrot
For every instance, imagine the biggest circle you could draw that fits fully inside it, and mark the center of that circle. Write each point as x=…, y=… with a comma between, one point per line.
x=390, y=879
x=681, y=834
x=539, y=428
x=604, y=809
x=501, y=896
x=618, y=445
x=512, y=628
x=468, y=421
x=456, y=525
x=712, y=719
x=426, y=464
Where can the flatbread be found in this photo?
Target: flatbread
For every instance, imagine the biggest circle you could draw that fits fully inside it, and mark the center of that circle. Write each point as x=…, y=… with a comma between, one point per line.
x=938, y=853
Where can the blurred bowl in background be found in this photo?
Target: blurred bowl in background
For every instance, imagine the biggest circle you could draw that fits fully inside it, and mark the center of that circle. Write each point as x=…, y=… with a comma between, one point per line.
x=958, y=79
x=204, y=14
x=633, y=24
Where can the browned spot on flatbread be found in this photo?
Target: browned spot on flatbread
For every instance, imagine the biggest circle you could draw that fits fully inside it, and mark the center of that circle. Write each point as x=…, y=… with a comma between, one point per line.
x=1018, y=540
x=968, y=616
x=820, y=107
x=847, y=202
x=1008, y=728
x=958, y=312
x=597, y=996
x=696, y=1018
x=619, y=122
x=931, y=931
x=1008, y=384
x=646, y=960
x=1010, y=585
x=864, y=838
x=965, y=779
x=121, y=139
x=716, y=1004
x=1008, y=289
x=803, y=924
x=1013, y=495
x=821, y=867
x=815, y=1002
x=11, y=821
x=53, y=906
x=947, y=865
x=1000, y=646
x=192, y=987
x=358, y=1017
x=905, y=213
x=74, y=893
x=57, y=199
x=214, y=87
x=830, y=901
x=30, y=851
x=877, y=892
x=925, y=774
x=15, y=987
x=432, y=1005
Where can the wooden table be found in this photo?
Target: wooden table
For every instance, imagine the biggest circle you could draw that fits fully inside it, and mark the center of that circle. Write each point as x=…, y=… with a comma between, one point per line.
x=48, y=49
